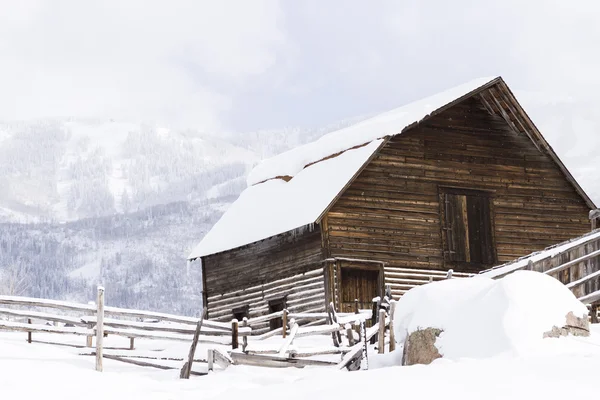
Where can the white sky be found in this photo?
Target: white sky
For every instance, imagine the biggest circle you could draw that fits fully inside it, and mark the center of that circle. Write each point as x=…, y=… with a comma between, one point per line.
x=246, y=65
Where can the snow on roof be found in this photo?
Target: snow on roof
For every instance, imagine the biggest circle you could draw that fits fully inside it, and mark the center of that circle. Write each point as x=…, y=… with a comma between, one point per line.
x=272, y=206
x=277, y=206
x=389, y=123
x=521, y=263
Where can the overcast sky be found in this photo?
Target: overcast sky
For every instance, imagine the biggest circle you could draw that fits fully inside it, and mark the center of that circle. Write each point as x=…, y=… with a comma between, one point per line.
x=246, y=65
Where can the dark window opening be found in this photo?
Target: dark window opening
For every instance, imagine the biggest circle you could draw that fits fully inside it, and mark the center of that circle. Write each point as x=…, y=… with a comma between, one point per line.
x=468, y=228
x=275, y=306
x=241, y=312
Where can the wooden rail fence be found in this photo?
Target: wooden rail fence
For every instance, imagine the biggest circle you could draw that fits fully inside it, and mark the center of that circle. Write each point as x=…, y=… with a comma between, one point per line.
x=348, y=332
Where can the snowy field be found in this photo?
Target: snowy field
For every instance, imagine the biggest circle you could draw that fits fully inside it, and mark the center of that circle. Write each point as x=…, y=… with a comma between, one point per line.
x=566, y=368
x=498, y=324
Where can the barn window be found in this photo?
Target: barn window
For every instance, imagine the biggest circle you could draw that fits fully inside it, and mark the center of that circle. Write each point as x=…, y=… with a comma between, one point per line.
x=275, y=306
x=468, y=228
x=240, y=313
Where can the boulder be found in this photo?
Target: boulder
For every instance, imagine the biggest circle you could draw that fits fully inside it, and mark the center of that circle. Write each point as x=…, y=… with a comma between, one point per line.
x=576, y=326
x=419, y=347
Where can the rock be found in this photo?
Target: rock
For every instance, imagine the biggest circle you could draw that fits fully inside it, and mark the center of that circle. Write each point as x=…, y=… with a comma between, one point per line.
x=576, y=326
x=419, y=347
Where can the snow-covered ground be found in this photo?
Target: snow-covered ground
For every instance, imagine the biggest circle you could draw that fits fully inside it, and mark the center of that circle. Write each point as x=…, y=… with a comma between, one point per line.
x=492, y=345
x=567, y=369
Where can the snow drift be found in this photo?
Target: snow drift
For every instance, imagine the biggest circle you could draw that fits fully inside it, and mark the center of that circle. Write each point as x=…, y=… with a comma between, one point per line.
x=481, y=317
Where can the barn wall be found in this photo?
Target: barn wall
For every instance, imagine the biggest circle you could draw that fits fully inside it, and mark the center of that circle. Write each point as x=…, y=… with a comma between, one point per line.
x=392, y=212
x=288, y=265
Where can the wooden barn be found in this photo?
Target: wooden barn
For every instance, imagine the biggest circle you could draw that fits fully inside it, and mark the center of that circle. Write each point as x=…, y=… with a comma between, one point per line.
x=460, y=180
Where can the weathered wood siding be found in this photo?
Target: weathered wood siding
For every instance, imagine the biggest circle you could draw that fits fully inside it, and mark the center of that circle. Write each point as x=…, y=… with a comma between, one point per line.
x=288, y=265
x=392, y=211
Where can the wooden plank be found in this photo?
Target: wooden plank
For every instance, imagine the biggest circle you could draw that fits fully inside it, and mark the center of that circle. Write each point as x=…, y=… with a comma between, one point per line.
x=288, y=341
x=43, y=316
x=187, y=367
x=275, y=361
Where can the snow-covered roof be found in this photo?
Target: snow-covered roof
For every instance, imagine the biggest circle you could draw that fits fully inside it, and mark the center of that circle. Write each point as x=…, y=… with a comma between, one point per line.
x=312, y=175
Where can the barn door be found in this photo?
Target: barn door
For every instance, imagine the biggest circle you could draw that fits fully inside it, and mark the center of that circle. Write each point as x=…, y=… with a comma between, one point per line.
x=359, y=283
x=468, y=227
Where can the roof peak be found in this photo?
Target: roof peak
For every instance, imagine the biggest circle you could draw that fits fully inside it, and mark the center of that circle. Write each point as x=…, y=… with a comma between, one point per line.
x=388, y=123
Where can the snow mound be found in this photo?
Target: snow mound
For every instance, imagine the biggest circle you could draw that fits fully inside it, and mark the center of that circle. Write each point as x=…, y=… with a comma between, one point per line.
x=481, y=317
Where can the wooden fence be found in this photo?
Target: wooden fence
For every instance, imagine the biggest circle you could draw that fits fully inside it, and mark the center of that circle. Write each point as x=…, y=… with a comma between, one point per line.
x=576, y=263
x=348, y=331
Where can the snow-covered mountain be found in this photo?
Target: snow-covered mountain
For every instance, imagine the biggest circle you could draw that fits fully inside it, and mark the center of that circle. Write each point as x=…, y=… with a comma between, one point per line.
x=83, y=202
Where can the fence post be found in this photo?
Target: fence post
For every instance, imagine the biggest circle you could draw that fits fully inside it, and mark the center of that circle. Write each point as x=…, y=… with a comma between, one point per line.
x=131, y=343
x=29, y=333
x=284, y=322
x=356, y=306
x=99, y=328
x=364, y=364
x=449, y=273
x=594, y=313
x=210, y=359
x=374, y=315
x=234, y=334
x=88, y=339
x=350, y=335
x=381, y=344
x=392, y=333
x=245, y=337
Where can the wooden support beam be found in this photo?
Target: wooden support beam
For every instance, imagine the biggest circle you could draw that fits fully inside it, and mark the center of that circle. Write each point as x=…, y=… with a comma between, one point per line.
x=187, y=367
x=284, y=323
x=234, y=334
x=485, y=103
x=381, y=337
x=99, y=328
x=391, y=326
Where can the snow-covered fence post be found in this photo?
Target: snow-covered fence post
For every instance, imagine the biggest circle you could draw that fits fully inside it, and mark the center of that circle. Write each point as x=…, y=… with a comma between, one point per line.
x=284, y=323
x=332, y=319
x=210, y=359
x=594, y=217
x=350, y=335
x=29, y=333
x=449, y=274
x=374, y=314
x=381, y=343
x=391, y=326
x=245, y=337
x=88, y=339
x=364, y=365
x=234, y=334
x=99, y=328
